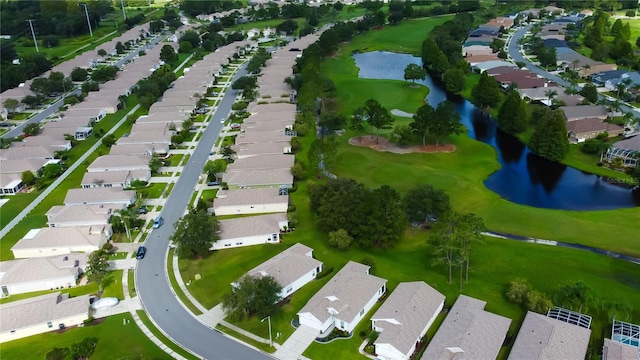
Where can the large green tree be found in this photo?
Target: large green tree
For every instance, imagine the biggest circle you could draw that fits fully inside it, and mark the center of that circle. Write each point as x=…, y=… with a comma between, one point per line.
x=512, y=116
x=549, y=139
x=446, y=121
x=377, y=116
x=454, y=80
x=414, y=72
x=424, y=201
x=195, y=234
x=97, y=266
x=487, y=91
x=421, y=120
x=252, y=296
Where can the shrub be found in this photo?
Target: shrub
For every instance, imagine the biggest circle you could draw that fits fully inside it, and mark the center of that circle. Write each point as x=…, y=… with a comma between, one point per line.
x=241, y=105
x=594, y=146
x=603, y=135
x=324, y=272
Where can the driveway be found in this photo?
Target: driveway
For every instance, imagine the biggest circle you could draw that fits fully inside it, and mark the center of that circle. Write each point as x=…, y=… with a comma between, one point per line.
x=297, y=343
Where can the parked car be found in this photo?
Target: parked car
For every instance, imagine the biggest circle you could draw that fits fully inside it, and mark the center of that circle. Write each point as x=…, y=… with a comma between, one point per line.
x=142, y=210
x=157, y=222
x=213, y=183
x=142, y=251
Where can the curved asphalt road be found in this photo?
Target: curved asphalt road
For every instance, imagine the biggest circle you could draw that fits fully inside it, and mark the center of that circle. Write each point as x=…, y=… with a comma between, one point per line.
x=152, y=283
x=514, y=53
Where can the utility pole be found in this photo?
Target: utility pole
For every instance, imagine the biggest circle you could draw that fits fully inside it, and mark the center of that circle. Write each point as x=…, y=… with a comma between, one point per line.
x=86, y=12
x=35, y=42
x=124, y=14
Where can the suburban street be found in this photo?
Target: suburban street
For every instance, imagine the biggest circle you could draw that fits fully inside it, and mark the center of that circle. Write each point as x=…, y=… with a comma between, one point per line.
x=17, y=131
x=514, y=53
x=152, y=283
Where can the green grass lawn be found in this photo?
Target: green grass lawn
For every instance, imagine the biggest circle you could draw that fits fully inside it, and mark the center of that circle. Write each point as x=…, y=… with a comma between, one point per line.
x=115, y=341
x=209, y=194
x=113, y=285
x=165, y=340
x=176, y=288
x=153, y=191
x=175, y=159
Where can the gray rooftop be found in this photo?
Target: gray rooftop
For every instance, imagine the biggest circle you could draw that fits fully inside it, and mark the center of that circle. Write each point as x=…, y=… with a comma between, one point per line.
x=478, y=333
x=261, y=149
x=48, y=238
x=584, y=111
x=346, y=294
x=251, y=226
x=613, y=350
x=79, y=213
x=287, y=266
x=258, y=196
x=41, y=269
x=262, y=163
x=255, y=177
x=119, y=162
x=542, y=338
x=632, y=143
x=405, y=314
x=41, y=309
x=98, y=195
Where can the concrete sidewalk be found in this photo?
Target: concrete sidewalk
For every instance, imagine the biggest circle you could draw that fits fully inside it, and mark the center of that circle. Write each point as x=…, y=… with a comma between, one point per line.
x=297, y=343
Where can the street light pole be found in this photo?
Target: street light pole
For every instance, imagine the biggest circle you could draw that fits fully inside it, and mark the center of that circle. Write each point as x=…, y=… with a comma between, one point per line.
x=86, y=12
x=124, y=14
x=268, y=318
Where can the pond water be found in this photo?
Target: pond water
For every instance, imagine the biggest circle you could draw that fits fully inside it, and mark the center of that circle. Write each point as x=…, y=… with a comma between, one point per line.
x=524, y=177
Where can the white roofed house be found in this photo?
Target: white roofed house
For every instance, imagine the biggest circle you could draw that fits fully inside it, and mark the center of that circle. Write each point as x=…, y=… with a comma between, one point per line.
x=60, y=241
x=100, y=196
x=280, y=177
x=45, y=273
x=253, y=230
x=251, y=201
x=468, y=332
x=404, y=319
x=542, y=337
x=41, y=314
x=116, y=171
x=81, y=215
x=291, y=269
x=260, y=149
x=344, y=300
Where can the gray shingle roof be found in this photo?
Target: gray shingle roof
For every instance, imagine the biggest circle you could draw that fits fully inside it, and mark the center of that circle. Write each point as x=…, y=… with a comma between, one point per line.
x=613, y=350
x=48, y=238
x=584, y=111
x=263, y=162
x=542, y=338
x=259, y=196
x=262, y=177
x=41, y=309
x=468, y=326
x=345, y=294
x=406, y=313
x=98, y=195
x=287, y=266
x=251, y=226
x=41, y=269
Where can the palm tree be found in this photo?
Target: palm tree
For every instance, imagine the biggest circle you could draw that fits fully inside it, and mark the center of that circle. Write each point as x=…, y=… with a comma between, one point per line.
x=550, y=94
x=575, y=64
x=127, y=217
x=122, y=100
x=585, y=67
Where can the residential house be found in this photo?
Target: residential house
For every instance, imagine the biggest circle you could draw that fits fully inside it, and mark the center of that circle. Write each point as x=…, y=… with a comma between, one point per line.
x=613, y=350
x=262, y=137
x=252, y=230
x=253, y=33
x=11, y=184
x=542, y=337
x=261, y=149
x=404, y=318
x=573, y=113
x=570, y=100
x=485, y=30
x=589, y=128
x=477, y=59
x=484, y=66
x=94, y=115
x=344, y=300
x=629, y=79
x=32, y=152
x=470, y=330
x=251, y=201
x=475, y=50
x=46, y=313
x=107, y=163
x=628, y=150
x=602, y=77
x=262, y=163
x=109, y=179
x=541, y=93
x=624, y=343
x=291, y=269
x=81, y=215
x=55, y=144
x=281, y=178
x=39, y=274
x=500, y=21
x=100, y=196
x=145, y=150
x=61, y=241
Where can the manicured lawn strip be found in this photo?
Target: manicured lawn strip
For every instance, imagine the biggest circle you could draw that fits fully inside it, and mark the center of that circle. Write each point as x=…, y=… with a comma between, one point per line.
x=113, y=285
x=115, y=341
x=169, y=188
x=174, y=284
x=165, y=340
x=589, y=163
x=131, y=284
x=153, y=191
x=209, y=194
x=175, y=159
x=262, y=346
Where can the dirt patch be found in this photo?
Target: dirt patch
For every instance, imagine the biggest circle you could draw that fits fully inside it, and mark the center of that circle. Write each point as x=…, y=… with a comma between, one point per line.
x=381, y=144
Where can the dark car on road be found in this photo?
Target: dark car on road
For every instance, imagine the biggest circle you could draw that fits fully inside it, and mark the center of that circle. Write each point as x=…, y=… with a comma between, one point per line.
x=141, y=252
